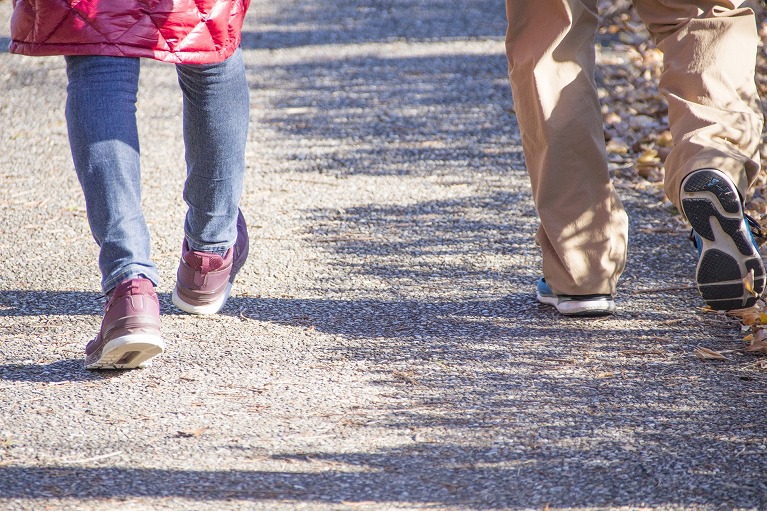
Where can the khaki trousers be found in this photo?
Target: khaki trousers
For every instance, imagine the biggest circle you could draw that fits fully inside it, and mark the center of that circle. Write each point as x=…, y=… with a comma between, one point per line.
x=709, y=50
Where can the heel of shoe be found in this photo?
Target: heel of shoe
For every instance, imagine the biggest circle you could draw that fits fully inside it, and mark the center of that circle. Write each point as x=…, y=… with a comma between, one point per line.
x=127, y=352
x=201, y=308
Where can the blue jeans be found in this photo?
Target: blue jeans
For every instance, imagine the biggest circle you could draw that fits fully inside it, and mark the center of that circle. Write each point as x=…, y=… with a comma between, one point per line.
x=101, y=119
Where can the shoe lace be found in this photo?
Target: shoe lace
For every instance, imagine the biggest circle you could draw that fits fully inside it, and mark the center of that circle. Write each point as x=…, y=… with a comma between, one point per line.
x=753, y=226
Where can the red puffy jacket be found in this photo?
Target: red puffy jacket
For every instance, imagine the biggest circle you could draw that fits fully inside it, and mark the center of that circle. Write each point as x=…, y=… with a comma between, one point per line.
x=181, y=31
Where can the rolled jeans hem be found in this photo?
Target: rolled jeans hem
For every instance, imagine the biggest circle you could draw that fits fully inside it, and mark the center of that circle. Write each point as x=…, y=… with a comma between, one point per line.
x=219, y=248
x=130, y=272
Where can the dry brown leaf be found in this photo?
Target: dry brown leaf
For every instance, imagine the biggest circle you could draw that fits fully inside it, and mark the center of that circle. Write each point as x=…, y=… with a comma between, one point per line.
x=708, y=354
x=648, y=156
x=739, y=313
x=665, y=139
x=193, y=433
x=617, y=146
x=651, y=172
x=663, y=153
x=748, y=283
x=653, y=57
x=748, y=317
x=758, y=347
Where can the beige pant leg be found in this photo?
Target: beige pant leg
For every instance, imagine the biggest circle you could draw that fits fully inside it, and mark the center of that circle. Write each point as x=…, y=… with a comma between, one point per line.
x=709, y=55
x=583, y=231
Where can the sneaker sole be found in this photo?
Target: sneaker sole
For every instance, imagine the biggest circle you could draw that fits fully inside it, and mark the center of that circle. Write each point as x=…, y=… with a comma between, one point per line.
x=585, y=308
x=127, y=352
x=207, y=309
x=712, y=206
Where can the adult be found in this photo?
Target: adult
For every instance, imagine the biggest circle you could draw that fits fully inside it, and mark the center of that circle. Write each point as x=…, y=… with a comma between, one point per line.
x=715, y=117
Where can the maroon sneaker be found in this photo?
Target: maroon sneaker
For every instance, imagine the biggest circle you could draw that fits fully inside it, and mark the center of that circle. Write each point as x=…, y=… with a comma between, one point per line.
x=204, y=280
x=130, y=331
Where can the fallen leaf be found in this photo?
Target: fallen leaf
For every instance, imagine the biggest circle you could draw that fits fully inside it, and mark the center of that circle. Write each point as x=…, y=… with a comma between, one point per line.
x=193, y=433
x=748, y=283
x=708, y=354
x=648, y=156
x=617, y=146
x=758, y=347
x=663, y=153
x=651, y=172
x=748, y=317
x=665, y=139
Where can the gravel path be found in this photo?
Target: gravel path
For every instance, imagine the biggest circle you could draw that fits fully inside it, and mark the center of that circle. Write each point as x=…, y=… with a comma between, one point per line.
x=383, y=349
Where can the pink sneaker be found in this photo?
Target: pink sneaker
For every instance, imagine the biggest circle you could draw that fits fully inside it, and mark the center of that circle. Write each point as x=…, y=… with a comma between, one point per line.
x=204, y=280
x=130, y=331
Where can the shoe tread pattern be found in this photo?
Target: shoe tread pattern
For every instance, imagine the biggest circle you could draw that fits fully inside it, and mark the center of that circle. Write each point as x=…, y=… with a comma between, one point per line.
x=709, y=200
x=706, y=181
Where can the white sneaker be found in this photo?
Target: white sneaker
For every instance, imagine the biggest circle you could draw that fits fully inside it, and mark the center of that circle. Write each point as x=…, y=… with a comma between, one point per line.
x=575, y=305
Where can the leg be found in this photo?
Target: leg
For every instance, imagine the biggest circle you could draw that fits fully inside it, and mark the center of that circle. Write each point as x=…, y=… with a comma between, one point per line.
x=584, y=229
x=216, y=118
x=709, y=50
x=715, y=115
x=101, y=119
x=216, y=115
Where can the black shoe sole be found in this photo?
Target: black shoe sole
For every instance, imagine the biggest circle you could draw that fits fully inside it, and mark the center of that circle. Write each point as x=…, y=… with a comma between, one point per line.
x=712, y=206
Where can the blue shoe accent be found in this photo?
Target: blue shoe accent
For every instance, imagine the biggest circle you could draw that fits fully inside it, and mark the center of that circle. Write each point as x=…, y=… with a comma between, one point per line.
x=725, y=238
x=543, y=290
x=574, y=305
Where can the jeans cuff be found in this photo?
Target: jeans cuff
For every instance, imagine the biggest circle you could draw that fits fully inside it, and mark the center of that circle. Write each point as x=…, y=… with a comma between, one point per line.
x=130, y=272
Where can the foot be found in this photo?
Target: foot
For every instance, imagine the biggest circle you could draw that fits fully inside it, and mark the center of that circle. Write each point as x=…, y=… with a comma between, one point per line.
x=204, y=280
x=129, y=336
x=575, y=305
x=730, y=273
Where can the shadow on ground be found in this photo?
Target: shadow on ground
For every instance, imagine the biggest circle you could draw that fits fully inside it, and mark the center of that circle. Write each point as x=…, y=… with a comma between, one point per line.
x=504, y=475
x=349, y=22
x=508, y=404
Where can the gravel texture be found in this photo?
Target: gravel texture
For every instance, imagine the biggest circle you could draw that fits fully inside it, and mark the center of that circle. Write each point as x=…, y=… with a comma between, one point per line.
x=383, y=349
